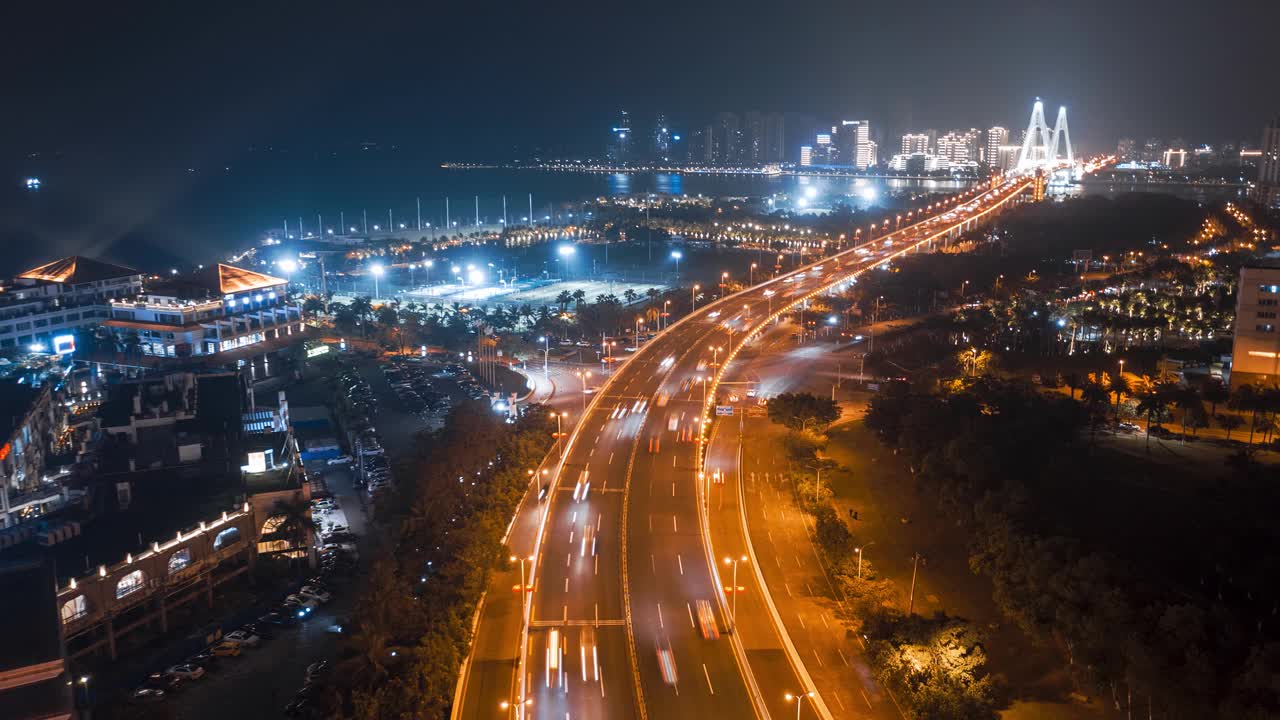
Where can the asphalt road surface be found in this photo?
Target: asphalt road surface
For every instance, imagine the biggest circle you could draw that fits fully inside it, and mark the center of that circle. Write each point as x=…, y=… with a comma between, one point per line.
x=621, y=563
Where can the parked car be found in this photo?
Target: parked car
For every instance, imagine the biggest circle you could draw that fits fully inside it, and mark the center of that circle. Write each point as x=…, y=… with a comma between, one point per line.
x=315, y=592
x=225, y=649
x=241, y=637
x=163, y=681
x=186, y=671
x=340, y=460
x=204, y=659
x=307, y=603
x=317, y=669
x=147, y=695
x=278, y=618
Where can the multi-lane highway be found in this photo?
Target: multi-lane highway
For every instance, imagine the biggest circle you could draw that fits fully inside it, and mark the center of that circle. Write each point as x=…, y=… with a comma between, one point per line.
x=630, y=616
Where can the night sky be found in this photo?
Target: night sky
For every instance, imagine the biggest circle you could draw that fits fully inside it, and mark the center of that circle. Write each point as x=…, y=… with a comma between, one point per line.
x=464, y=79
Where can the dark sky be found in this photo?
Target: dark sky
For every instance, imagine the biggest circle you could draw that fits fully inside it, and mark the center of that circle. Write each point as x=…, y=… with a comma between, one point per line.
x=470, y=78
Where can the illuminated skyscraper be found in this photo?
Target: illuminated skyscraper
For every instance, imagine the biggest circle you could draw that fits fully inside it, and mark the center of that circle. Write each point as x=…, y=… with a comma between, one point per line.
x=853, y=141
x=806, y=155
x=1269, y=166
x=996, y=136
x=620, y=139
x=913, y=143
x=661, y=139
x=1126, y=149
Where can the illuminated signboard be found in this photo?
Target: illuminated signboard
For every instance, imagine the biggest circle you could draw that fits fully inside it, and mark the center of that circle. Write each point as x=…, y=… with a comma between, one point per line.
x=64, y=344
x=317, y=351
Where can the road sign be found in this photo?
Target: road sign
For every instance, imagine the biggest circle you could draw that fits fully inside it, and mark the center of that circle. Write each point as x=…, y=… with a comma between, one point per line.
x=722, y=410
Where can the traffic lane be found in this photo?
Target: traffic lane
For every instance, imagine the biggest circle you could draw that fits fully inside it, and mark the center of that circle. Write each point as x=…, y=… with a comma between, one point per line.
x=592, y=678
x=708, y=679
x=582, y=562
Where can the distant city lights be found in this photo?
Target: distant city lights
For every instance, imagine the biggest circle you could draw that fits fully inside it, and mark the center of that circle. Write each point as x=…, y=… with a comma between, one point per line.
x=32, y=183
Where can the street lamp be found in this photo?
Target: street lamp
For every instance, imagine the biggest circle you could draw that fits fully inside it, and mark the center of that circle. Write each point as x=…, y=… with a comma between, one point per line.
x=676, y=255
x=734, y=562
x=715, y=355
x=560, y=433
x=752, y=274
x=524, y=584
x=583, y=375
x=665, y=314
x=694, y=296
x=799, y=700
x=546, y=350
x=377, y=271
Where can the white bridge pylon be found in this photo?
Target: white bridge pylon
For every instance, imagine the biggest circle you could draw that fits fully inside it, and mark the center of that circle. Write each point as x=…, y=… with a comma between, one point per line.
x=1042, y=149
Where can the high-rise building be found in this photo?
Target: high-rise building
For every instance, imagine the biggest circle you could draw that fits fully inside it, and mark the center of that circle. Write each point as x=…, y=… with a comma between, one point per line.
x=1269, y=166
x=913, y=143
x=1255, y=348
x=753, y=138
x=1174, y=158
x=853, y=140
x=726, y=139
x=1152, y=149
x=823, y=151
x=1007, y=157
x=806, y=155
x=774, y=137
x=1126, y=149
x=960, y=146
x=871, y=155
x=620, y=139
x=661, y=149
x=996, y=136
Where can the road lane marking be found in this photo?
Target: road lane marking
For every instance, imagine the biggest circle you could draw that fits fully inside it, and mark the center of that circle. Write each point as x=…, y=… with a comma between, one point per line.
x=673, y=488
x=864, y=699
x=839, y=702
x=801, y=619
x=566, y=584
x=788, y=589
x=597, y=564
x=660, y=615
x=680, y=563
x=823, y=617
x=818, y=658
x=652, y=565
x=707, y=675
x=611, y=458
x=568, y=559
x=689, y=607
x=843, y=658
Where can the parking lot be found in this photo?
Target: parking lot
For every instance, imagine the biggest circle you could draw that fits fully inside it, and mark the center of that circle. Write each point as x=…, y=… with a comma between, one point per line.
x=265, y=676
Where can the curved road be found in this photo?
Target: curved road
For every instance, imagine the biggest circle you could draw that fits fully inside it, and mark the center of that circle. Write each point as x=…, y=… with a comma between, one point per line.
x=621, y=564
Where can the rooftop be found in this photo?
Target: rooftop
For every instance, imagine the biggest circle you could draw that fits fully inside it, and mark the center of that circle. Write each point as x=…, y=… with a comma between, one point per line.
x=76, y=269
x=226, y=279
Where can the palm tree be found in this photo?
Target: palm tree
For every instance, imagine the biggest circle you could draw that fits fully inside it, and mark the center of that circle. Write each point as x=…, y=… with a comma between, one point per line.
x=579, y=297
x=1095, y=399
x=630, y=295
x=1153, y=403
x=563, y=299
x=362, y=307
x=1229, y=422
x=1119, y=386
x=1246, y=398
x=1214, y=393
x=1187, y=399
x=293, y=522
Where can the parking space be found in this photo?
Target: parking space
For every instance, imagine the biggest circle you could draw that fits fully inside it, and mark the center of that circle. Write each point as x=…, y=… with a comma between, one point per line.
x=266, y=672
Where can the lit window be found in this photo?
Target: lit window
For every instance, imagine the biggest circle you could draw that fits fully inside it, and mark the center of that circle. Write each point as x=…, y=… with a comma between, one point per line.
x=74, y=609
x=129, y=583
x=179, y=560
x=230, y=536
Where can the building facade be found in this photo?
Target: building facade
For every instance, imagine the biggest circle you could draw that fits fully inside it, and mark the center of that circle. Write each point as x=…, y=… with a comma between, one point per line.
x=1269, y=166
x=913, y=143
x=52, y=301
x=27, y=425
x=996, y=137
x=219, y=309
x=1255, y=348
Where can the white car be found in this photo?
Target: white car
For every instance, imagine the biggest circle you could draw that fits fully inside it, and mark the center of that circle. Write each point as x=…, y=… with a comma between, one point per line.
x=186, y=672
x=340, y=460
x=315, y=592
x=302, y=601
x=241, y=637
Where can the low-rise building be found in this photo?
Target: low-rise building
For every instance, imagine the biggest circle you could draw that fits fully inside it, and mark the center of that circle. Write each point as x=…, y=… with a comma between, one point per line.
x=218, y=309
x=26, y=430
x=41, y=308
